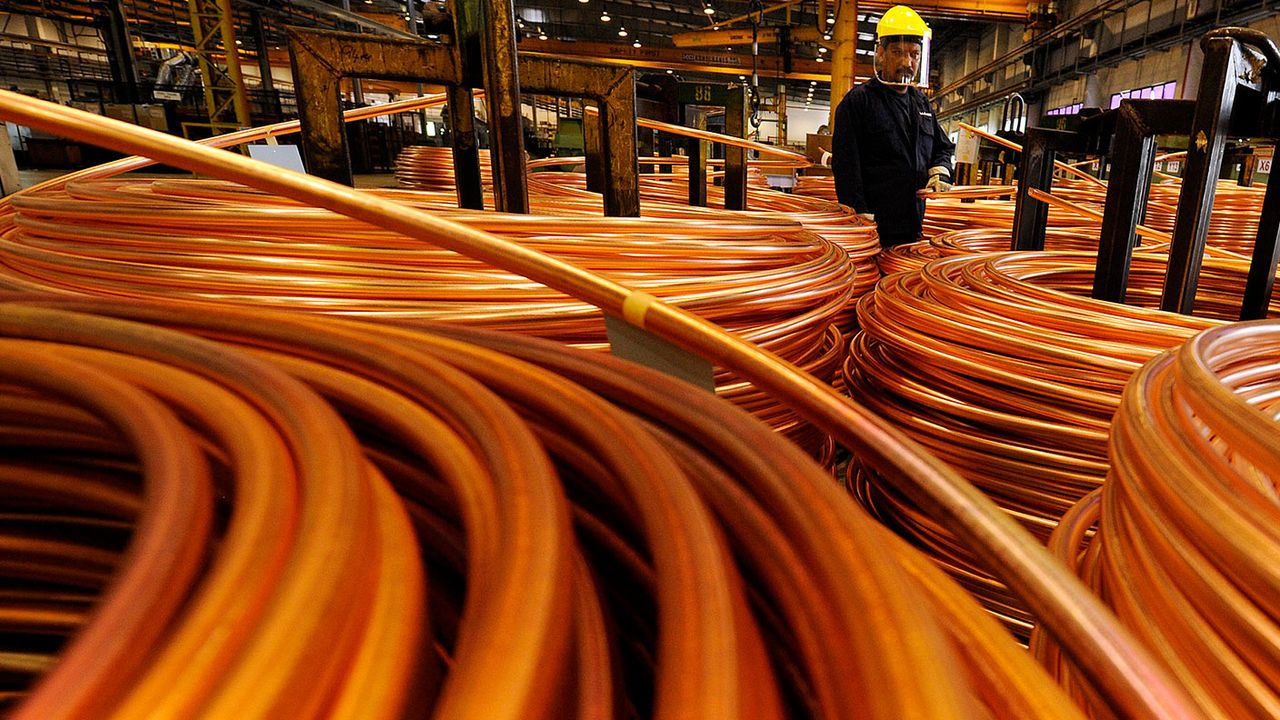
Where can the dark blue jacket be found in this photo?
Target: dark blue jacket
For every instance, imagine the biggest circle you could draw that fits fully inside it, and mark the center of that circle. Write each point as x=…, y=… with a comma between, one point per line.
x=879, y=164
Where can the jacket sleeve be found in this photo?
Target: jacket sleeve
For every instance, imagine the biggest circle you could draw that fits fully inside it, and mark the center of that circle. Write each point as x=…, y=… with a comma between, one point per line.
x=942, y=147
x=845, y=162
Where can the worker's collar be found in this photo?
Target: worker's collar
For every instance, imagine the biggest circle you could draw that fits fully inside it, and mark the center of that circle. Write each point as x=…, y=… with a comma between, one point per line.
x=882, y=87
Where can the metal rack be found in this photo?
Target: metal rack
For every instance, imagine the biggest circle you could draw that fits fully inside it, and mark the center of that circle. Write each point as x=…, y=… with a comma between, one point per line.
x=1239, y=97
x=481, y=55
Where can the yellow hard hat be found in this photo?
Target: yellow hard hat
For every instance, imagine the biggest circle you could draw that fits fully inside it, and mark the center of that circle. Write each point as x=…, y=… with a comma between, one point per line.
x=902, y=20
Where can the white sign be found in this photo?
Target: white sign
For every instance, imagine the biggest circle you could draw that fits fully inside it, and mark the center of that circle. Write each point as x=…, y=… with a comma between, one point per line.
x=1174, y=166
x=285, y=156
x=166, y=95
x=967, y=147
x=1264, y=166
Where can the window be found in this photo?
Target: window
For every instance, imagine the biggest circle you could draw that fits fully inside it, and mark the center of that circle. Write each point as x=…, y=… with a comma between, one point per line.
x=1066, y=110
x=1159, y=91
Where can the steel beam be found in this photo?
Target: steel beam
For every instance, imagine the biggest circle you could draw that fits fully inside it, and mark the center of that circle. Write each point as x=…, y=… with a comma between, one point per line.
x=702, y=60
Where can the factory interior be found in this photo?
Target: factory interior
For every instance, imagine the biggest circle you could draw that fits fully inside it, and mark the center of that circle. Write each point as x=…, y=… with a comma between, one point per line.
x=628, y=359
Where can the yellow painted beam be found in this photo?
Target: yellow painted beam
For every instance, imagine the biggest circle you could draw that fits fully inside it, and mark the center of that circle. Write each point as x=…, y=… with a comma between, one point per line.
x=742, y=36
x=732, y=36
x=990, y=10
x=719, y=62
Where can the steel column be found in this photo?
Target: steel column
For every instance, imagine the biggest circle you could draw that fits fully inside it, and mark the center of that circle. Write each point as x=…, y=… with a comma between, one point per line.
x=502, y=98
x=735, y=158
x=1031, y=216
x=1130, y=165
x=466, y=152
x=267, y=83
x=593, y=150
x=1133, y=152
x=697, y=152
x=1223, y=65
x=115, y=36
x=1266, y=251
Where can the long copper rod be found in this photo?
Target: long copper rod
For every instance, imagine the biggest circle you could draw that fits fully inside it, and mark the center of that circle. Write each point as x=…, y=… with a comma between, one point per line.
x=1015, y=146
x=798, y=159
x=232, y=139
x=1135, y=683
x=1052, y=199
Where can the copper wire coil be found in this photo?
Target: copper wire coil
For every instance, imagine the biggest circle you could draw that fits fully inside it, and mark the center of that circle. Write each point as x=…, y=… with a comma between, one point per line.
x=663, y=194
x=701, y=535
x=993, y=207
x=818, y=186
x=764, y=276
x=424, y=167
x=1002, y=366
x=1134, y=684
x=1186, y=521
x=1233, y=222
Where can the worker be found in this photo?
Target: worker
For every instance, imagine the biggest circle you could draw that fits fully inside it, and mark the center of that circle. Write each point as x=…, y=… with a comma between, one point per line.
x=886, y=144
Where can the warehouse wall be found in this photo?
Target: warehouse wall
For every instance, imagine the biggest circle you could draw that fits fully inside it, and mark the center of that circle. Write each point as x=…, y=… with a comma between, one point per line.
x=1125, y=41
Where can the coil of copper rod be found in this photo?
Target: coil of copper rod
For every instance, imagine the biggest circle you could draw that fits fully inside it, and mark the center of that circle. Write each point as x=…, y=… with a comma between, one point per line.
x=1134, y=684
x=1186, y=521
x=678, y=563
x=1002, y=365
x=764, y=276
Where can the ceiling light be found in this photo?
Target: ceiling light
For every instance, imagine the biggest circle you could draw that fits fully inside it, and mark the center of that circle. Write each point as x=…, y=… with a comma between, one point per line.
x=604, y=17
x=709, y=10
x=813, y=82
x=542, y=36
x=826, y=36
x=433, y=37
x=670, y=72
x=831, y=21
x=818, y=59
x=635, y=44
x=622, y=32
x=822, y=49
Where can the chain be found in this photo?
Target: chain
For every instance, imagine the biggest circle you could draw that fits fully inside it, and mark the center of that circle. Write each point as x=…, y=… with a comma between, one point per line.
x=756, y=14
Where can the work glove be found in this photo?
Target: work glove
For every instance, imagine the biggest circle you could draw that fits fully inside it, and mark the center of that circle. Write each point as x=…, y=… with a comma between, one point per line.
x=939, y=179
x=867, y=218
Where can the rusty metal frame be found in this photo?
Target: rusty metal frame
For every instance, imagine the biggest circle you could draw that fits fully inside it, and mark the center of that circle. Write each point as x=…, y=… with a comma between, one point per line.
x=610, y=138
x=321, y=58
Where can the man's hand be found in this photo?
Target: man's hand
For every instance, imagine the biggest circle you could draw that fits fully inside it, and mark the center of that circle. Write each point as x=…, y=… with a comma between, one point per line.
x=867, y=218
x=939, y=179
